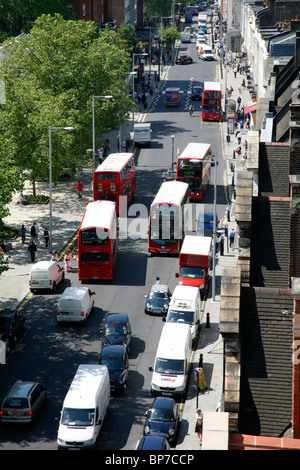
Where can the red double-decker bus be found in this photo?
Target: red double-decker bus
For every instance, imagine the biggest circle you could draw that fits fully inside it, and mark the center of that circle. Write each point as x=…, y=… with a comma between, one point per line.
x=193, y=167
x=98, y=241
x=115, y=180
x=211, y=101
x=167, y=225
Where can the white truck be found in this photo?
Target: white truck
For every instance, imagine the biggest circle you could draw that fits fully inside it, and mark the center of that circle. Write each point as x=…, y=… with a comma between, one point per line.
x=185, y=307
x=84, y=408
x=141, y=134
x=185, y=36
x=172, y=368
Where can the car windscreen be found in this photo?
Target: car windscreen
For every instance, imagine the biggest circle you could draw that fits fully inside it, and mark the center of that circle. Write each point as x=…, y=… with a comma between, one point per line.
x=157, y=414
x=78, y=417
x=112, y=362
x=169, y=366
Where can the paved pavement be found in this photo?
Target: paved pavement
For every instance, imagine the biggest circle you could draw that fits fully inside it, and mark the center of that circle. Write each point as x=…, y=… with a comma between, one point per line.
x=67, y=213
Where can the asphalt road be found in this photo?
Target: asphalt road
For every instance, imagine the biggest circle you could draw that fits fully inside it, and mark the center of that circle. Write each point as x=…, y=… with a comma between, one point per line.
x=51, y=354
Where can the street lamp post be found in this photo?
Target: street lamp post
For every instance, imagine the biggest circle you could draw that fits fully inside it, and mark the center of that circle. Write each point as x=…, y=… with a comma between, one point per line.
x=50, y=179
x=94, y=140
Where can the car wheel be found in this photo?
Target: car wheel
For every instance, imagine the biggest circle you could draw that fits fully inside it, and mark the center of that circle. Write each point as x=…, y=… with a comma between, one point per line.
x=54, y=287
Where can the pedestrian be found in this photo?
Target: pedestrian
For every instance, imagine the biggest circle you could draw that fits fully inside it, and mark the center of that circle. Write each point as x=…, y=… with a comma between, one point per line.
x=54, y=256
x=67, y=262
x=157, y=280
x=106, y=147
x=239, y=138
x=23, y=234
x=101, y=154
x=46, y=237
x=198, y=426
x=235, y=71
x=32, y=250
x=34, y=231
x=191, y=109
x=231, y=238
x=79, y=189
x=70, y=254
x=239, y=101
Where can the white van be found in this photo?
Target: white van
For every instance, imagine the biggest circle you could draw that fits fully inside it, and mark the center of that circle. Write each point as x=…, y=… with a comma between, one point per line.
x=75, y=304
x=205, y=52
x=185, y=307
x=84, y=408
x=172, y=362
x=45, y=275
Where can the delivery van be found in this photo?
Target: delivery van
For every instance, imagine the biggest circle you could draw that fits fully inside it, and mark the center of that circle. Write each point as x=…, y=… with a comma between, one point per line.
x=185, y=307
x=84, y=408
x=45, y=275
x=185, y=36
x=141, y=134
x=171, y=370
x=205, y=52
x=75, y=305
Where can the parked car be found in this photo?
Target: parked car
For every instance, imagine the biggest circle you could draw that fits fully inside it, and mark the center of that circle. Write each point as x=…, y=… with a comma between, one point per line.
x=197, y=91
x=205, y=225
x=184, y=59
x=23, y=402
x=117, y=330
x=12, y=326
x=158, y=299
x=163, y=419
x=153, y=443
x=116, y=359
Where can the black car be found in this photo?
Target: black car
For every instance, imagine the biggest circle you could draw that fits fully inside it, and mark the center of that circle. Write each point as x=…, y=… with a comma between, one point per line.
x=117, y=330
x=153, y=443
x=184, y=59
x=162, y=419
x=158, y=300
x=197, y=92
x=116, y=359
x=12, y=326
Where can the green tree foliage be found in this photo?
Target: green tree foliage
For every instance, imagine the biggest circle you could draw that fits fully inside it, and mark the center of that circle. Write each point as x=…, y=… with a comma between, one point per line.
x=10, y=181
x=17, y=16
x=128, y=34
x=169, y=35
x=50, y=77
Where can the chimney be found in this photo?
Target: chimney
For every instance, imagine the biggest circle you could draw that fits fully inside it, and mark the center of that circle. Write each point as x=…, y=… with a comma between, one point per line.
x=296, y=359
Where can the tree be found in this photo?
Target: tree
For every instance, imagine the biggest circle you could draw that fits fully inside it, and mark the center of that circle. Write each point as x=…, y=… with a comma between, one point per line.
x=17, y=16
x=128, y=34
x=169, y=35
x=50, y=78
x=10, y=181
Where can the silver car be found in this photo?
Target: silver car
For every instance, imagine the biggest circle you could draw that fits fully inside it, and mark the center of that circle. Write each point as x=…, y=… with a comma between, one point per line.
x=23, y=402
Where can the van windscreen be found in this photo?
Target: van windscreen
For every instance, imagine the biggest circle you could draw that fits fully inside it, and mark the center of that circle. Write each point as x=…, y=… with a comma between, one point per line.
x=169, y=366
x=175, y=316
x=78, y=417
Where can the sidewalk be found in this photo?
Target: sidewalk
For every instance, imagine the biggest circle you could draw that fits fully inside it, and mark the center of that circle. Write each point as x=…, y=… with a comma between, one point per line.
x=210, y=342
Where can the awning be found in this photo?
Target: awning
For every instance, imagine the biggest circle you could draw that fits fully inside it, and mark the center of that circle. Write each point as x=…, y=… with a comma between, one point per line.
x=250, y=109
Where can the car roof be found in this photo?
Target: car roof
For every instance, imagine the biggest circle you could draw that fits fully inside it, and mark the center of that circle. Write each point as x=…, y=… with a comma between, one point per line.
x=162, y=288
x=163, y=403
x=7, y=313
x=21, y=389
x=152, y=442
x=116, y=317
x=113, y=350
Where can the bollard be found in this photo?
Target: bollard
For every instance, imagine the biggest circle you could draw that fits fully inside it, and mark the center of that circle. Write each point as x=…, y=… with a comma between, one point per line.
x=207, y=321
x=200, y=360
